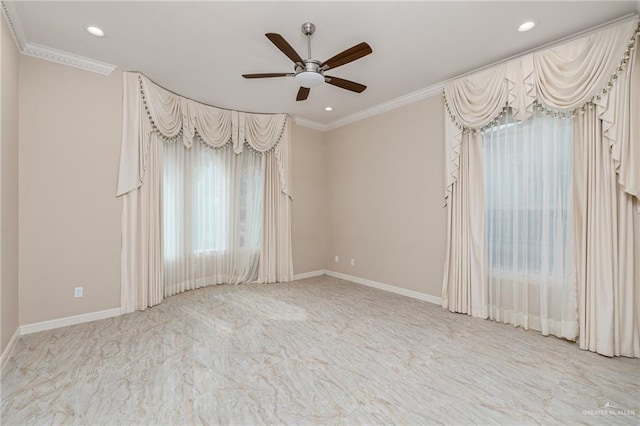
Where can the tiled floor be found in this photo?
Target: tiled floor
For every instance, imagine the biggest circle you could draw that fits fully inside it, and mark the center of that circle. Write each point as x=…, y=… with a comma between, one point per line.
x=320, y=350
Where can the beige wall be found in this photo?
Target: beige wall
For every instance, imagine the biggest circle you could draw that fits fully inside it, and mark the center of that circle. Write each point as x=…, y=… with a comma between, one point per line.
x=384, y=193
x=70, y=219
x=70, y=128
x=9, y=184
x=309, y=209
x=371, y=190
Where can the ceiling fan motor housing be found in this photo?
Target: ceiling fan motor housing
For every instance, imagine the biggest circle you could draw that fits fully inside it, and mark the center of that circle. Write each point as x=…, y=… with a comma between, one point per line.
x=309, y=65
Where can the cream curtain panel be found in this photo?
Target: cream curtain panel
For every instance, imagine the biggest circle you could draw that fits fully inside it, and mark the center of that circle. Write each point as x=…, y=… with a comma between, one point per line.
x=607, y=215
x=465, y=286
x=153, y=116
x=592, y=75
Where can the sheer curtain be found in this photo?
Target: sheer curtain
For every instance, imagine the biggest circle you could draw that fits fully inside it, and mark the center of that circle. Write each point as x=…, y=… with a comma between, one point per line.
x=206, y=195
x=212, y=216
x=528, y=229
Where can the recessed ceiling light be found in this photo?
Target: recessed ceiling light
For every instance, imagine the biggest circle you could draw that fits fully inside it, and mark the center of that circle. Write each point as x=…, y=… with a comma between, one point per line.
x=95, y=31
x=526, y=26
x=328, y=109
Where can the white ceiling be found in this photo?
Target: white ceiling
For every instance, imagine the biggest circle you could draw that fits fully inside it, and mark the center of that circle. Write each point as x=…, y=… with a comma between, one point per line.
x=200, y=49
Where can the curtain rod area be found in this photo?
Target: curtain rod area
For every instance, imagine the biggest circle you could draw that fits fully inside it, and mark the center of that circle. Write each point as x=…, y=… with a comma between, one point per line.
x=583, y=33
x=203, y=103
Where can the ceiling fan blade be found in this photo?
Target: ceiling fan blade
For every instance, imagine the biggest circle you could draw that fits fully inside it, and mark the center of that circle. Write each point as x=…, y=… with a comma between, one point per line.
x=303, y=94
x=268, y=75
x=345, y=84
x=284, y=47
x=349, y=55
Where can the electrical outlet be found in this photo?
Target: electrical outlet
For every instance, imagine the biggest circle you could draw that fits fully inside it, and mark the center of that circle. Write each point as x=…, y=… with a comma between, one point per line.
x=77, y=292
x=353, y=262
x=337, y=259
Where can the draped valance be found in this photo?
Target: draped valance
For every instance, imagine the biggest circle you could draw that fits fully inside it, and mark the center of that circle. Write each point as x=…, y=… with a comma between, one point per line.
x=564, y=80
x=150, y=108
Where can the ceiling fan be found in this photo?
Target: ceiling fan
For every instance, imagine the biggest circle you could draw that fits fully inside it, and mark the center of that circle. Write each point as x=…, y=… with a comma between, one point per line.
x=310, y=72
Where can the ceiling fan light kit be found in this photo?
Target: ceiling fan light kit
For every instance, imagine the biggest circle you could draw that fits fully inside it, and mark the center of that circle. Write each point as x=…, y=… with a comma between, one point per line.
x=310, y=75
x=309, y=72
x=309, y=79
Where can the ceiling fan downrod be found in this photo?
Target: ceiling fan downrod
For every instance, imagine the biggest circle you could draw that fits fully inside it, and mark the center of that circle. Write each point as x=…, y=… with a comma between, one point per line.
x=308, y=29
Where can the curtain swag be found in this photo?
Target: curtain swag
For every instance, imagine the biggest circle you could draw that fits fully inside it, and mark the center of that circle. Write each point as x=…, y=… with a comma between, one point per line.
x=174, y=117
x=562, y=81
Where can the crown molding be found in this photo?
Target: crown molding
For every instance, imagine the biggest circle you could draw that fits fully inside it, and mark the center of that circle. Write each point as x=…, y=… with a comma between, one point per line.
x=310, y=124
x=49, y=53
x=66, y=58
x=11, y=16
x=88, y=64
x=401, y=101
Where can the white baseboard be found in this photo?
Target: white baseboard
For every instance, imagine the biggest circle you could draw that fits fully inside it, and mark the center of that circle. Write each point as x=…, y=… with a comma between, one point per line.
x=386, y=287
x=311, y=274
x=6, y=354
x=109, y=313
x=63, y=322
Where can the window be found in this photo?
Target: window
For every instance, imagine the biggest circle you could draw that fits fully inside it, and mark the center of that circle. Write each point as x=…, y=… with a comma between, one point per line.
x=212, y=202
x=527, y=168
x=210, y=193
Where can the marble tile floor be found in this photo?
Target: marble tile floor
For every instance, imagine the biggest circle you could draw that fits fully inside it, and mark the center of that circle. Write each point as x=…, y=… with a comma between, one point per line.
x=315, y=351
